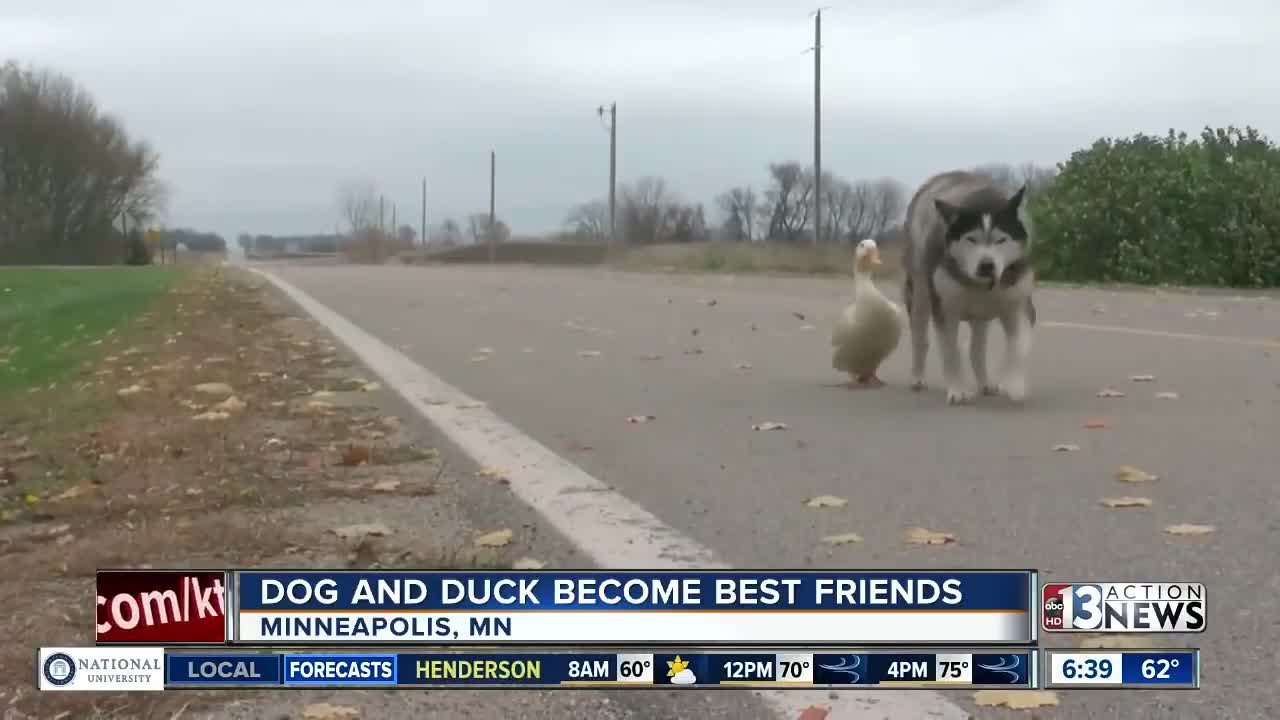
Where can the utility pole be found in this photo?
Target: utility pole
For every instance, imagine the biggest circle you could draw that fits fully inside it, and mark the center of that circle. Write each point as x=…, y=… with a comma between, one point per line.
x=423, y=237
x=613, y=171
x=817, y=126
x=493, y=228
x=382, y=214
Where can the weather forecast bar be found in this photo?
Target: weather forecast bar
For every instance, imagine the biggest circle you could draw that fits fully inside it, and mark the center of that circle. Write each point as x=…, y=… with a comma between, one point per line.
x=765, y=669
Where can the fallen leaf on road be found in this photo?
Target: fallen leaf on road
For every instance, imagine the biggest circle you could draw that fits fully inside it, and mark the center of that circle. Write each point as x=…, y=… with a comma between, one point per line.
x=843, y=539
x=814, y=712
x=1167, y=395
x=74, y=491
x=1126, y=502
x=371, y=387
x=1095, y=424
x=808, y=327
x=1066, y=447
x=693, y=351
x=1188, y=529
x=434, y=401
x=355, y=455
x=651, y=356
x=924, y=536
x=637, y=419
x=479, y=358
x=484, y=351
x=491, y=473
x=1098, y=309
x=1016, y=699
x=1120, y=641
x=1142, y=378
x=1110, y=393
x=211, y=416
x=214, y=388
x=131, y=390
x=826, y=501
x=232, y=404
x=798, y=315
x=588, y=353
x=1131, y=474
x=325, y=711
x=361, y=531
x=711, y=302
x=321, y=394
x=769, y=425
x=742, y=366
x=469, y=405
x=527, y=563
x=497, y=538
x=318, y=407
x=385, y=486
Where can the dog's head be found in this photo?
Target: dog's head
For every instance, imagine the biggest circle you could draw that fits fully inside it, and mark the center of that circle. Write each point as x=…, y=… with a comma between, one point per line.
x=985, y=235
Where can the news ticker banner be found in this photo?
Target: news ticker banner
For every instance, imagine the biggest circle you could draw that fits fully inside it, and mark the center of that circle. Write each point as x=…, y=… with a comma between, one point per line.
x=576, y=608
x=140, y=668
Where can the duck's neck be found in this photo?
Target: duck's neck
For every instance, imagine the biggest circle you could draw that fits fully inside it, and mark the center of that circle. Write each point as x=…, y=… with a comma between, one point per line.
x=863, y=286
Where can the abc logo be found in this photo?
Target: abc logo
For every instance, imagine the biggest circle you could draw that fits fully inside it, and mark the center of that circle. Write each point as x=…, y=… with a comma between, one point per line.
x=1053, y=605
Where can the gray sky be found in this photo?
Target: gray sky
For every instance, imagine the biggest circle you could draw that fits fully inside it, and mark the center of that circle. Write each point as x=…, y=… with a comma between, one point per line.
x=261, y=109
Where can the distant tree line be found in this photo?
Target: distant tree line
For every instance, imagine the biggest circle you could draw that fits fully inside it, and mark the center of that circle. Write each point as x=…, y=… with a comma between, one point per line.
x=193, y=240
x=75, y=188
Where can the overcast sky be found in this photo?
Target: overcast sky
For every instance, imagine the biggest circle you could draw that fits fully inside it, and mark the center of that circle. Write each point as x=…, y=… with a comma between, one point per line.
x=261, y=109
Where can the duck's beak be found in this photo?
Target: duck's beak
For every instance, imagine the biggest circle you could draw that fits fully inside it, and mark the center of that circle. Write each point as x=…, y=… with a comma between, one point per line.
x=873, y=257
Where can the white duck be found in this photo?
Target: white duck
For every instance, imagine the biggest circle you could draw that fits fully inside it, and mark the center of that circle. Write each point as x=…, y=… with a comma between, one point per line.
x=869, y=329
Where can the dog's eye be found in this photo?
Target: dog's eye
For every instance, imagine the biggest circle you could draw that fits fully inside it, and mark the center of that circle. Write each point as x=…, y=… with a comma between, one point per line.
x=972, y=240
x=1002, y=239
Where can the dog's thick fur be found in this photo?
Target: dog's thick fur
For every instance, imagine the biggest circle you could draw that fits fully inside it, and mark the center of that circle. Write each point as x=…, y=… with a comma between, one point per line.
x=967, y=259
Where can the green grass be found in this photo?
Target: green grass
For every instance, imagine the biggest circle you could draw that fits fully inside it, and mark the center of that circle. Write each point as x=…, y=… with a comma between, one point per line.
x=49, y=318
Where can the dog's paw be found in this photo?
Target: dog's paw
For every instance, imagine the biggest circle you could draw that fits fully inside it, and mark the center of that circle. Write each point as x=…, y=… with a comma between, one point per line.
x=959, y=396
x=989, y=389
x=1015, y=387
x=918, y=384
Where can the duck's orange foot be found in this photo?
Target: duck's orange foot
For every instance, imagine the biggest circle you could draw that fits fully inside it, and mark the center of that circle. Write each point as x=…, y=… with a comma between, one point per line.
x=867, y=382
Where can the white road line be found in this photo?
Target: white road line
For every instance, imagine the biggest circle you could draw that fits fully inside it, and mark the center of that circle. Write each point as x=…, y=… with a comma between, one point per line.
x=610, y=529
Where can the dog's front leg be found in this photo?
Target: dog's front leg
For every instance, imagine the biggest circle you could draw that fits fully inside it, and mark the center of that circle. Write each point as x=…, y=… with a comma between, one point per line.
x=921, y=310
x=1017, y=330
x=978, y=355
x=949, y=347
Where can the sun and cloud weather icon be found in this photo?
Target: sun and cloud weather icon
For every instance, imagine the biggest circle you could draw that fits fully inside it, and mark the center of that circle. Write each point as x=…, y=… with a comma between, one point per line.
x=679, y=672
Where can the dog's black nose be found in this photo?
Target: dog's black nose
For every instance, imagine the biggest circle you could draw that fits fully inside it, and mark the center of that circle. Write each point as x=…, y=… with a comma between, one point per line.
x=986, y=269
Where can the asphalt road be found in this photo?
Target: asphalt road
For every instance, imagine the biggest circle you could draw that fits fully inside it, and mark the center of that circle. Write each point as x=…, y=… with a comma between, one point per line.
x=987, y=473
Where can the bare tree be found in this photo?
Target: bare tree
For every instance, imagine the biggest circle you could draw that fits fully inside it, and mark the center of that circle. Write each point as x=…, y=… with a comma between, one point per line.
x=358, y=203
x=787, y=201
x=589, y=221
x=480, y=231
x=642, y=210
x=740, y=209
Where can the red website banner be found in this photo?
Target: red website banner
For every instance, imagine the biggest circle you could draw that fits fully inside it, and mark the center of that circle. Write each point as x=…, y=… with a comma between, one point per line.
x=161, y=606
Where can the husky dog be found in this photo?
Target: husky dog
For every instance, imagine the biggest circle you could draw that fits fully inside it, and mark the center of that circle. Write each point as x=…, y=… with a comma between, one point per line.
x=967, y=259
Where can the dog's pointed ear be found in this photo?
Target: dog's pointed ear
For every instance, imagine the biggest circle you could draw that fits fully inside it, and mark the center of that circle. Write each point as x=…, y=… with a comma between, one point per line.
x=948, y=211
x=1016, y=201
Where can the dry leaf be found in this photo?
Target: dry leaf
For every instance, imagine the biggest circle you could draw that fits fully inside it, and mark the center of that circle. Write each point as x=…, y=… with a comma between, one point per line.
x=131, y=390
x=497, y=538
x=843, y=539
x=211, y=416
x=1110, y=393
x=1066, y=447
x=484, y=351
x=385, y=486
x=1119, y=641
x=359, y=531
x=1167, y=395
x=214, y=388
x=711, y=302
x=826, y=501
x=814, y=712
x=74, y=491
x=807, y=328
x=769, y=425
x=325, y=711
x=693, y=351
x=355, y=455
x=924, y=536
x=469, y=405
x=1189, y=530
x=742, y=366
x=321, y=394
x=492, y=473
x=1126, y=502
x=527, y=563
x=798, y=316
x=1016, y=699
x=318, y=407
x=1142, y=378
x=651, y=356
x=1131, y=474
x=637, y=419
x=1095, y=424
x=588, y=353
x=371, y=387
x=232, y=404
x=479, y=358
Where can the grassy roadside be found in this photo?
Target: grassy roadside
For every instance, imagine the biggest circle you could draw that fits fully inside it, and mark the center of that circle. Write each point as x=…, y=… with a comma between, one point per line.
x=208, y=428
x=52, y=320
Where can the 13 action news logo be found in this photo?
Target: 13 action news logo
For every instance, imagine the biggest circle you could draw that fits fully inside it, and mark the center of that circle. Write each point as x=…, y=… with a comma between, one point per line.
x=1123, y=607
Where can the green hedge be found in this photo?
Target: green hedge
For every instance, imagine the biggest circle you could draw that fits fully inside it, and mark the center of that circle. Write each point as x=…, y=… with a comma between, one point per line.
x=1165, y=210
